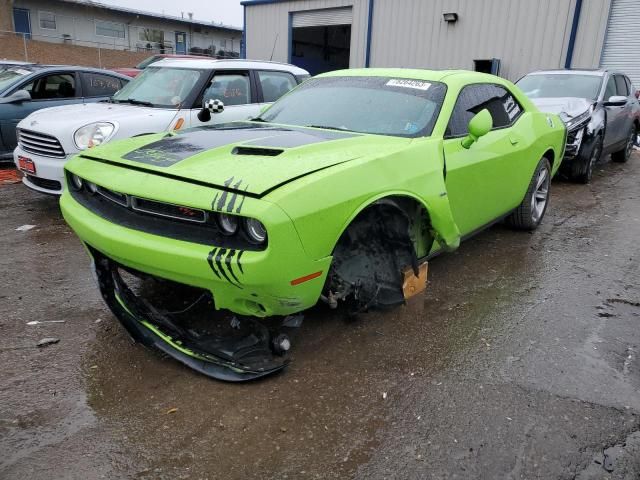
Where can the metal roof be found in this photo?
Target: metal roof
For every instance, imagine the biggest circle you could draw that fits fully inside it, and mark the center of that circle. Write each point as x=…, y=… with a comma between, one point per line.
x=132, y=11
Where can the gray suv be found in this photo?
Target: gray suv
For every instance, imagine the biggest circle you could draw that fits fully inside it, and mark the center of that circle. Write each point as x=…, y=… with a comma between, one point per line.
x=600, y=109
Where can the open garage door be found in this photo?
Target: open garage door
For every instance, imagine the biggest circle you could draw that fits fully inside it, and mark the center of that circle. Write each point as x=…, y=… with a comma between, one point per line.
x=321, y=39
x=622, y=42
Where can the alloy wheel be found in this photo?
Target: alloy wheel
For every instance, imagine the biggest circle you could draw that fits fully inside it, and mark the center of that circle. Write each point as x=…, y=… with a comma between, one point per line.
x=592, y=161
x=540, y=195
x=630, y=143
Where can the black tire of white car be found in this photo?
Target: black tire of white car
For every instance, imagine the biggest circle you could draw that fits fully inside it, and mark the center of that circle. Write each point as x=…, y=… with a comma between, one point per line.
x=621, y=156
x=582, y=167
x=531, y=211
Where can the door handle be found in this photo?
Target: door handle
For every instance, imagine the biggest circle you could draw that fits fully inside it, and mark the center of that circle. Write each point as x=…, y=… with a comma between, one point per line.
x=513, y=140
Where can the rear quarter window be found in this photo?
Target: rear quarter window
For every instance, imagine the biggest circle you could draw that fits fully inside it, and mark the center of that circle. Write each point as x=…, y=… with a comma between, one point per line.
x=621, y=86
x=100, y=85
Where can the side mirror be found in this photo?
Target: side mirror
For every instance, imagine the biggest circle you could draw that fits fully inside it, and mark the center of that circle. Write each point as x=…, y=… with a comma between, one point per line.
x=616, y=101
x=208, y=107
x=17, y=97
x=479, y=125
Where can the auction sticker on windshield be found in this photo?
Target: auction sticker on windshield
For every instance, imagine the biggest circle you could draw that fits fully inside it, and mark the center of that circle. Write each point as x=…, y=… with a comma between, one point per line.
x=405, y=83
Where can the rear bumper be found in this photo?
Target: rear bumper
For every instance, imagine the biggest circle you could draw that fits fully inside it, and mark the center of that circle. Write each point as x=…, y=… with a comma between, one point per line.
x=252, y=283
x=49, y=176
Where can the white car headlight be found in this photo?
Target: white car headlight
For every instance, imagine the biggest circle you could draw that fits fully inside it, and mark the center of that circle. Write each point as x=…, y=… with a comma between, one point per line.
x=93, y=134
x=573, y=122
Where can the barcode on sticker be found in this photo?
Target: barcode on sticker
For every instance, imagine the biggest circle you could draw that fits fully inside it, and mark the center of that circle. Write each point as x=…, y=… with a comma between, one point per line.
x=405, y=83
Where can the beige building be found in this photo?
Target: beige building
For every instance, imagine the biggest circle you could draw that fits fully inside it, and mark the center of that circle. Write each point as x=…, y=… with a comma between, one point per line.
x=91, y=24
x=508, y=37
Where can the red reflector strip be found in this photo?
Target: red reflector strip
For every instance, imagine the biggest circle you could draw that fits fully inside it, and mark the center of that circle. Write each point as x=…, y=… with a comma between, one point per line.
x=306, y=278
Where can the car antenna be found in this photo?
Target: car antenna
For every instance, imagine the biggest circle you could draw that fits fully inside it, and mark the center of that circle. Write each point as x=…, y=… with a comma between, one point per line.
x=274, y=46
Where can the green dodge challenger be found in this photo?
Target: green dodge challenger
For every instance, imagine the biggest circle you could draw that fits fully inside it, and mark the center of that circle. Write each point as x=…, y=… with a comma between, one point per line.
x=340, y=192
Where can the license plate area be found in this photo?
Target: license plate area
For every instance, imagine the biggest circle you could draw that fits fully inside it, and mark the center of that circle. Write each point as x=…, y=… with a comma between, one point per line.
x=26, y=165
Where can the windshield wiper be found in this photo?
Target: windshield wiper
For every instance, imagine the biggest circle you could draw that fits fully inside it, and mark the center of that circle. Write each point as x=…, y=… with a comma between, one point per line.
x=133, y=101
x=258, y=119
x=341, y=129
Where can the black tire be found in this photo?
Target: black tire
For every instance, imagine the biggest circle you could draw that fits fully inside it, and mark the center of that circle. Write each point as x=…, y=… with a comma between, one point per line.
x=621, y=156
x=531, y=211
x=582, y=166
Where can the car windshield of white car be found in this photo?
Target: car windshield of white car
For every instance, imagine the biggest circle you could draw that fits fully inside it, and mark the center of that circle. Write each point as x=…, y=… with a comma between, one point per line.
x=559, y=85
x=160, y=87
x=10, y=76
x=377, y=105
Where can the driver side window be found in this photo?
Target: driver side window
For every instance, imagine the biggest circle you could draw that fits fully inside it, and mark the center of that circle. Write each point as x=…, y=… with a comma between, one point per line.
x=231, y=88
x=610, y=91
x=51, y=87
x=502, y=106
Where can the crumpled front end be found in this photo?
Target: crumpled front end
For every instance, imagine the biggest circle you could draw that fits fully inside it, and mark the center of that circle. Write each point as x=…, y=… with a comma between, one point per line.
x=159, y=232
x=239, y=350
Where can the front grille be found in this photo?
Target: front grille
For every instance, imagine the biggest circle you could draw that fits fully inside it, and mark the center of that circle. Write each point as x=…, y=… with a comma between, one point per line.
x=45, y=183
x=40, y=144
x=160, y=218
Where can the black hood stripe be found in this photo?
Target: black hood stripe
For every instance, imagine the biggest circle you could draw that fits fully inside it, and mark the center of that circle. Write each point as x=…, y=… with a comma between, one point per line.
x=174, y=148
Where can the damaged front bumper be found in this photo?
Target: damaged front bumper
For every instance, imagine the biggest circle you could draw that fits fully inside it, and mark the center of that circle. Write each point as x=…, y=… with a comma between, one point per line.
x=247, y=351
x=250, y=283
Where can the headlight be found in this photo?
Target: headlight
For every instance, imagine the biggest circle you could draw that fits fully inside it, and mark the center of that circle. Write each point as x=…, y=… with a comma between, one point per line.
x=573, y=122
x=228, y=224
x=92, y=187
x=93, y=134
x=76, y=182
x=256, y=231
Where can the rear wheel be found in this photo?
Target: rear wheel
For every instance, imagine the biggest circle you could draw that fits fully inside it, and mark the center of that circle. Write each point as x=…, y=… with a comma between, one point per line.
x=623, y=155
x=582, y=167
x=530, y=212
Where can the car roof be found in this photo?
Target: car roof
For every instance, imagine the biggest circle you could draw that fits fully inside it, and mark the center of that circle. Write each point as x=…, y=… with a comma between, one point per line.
x=416, y=74
x=228, y=64
x=596, y=72
x=39, y=68
x=14, y=62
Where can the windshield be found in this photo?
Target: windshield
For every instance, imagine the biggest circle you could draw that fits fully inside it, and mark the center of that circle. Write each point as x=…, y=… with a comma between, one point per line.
x=377, y=105
x=11, y=76
x=560, y=85
x=160, y=87
x=148, y=61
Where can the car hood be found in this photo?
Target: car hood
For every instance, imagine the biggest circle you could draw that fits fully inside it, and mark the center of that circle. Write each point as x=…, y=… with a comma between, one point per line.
x=66, y=119
x=572, y=106
x=248, y=157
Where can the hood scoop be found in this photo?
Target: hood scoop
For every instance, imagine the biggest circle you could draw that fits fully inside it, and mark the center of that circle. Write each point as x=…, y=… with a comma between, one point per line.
x=257, y=151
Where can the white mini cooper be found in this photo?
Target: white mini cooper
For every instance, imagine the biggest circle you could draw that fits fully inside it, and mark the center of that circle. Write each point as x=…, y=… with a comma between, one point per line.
x=168, y=95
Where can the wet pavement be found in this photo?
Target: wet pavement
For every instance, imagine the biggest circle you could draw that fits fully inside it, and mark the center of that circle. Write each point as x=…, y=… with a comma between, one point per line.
x=521, y=361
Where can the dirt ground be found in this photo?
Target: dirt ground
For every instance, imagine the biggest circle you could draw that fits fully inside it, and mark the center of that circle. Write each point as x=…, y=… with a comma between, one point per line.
x=521, y=361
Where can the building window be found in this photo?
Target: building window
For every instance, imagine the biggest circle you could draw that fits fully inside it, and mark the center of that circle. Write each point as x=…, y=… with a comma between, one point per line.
x=47, y=20
x=109, y=29
x=151, y=35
